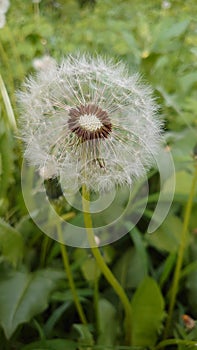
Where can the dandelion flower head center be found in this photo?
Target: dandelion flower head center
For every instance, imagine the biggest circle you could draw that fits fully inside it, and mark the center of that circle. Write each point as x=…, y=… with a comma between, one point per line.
x=89, y=122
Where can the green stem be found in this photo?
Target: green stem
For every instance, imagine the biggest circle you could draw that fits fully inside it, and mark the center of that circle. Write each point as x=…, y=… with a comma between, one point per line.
x=11, y=117
x=102, y=265
x=6, y=69
x=70, y=276
x=182, y=246
x=96, y=298
x=7, y=103
x=36, y=9
x=45, y=245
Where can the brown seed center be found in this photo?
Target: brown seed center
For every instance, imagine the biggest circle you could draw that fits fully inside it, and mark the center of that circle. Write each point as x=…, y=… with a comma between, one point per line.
x=89, y=122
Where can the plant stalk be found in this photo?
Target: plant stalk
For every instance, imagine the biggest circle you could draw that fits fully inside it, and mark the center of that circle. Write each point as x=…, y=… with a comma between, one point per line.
x=103, y=266
x=182, y=246
x=70, y=276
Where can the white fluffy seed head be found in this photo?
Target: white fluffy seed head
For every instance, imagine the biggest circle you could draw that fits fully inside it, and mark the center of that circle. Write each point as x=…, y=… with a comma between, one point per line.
x=43, y=63
x=4, y=5
x=94, y=122
x=2, y=20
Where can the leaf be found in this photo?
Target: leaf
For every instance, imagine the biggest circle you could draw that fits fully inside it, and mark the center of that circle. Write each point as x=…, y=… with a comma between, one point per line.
x=86, y=338
x=175, y=29
x=53, y=344
x=148, y=313
x=11, y=243
x=23, y=295
x=130, y=269
x=183, y=183
x=107, y=323
x=167, y=237
x=187, y=80
x=90, y=269
x=191, y=284
x=140, y=249
x=165, y=32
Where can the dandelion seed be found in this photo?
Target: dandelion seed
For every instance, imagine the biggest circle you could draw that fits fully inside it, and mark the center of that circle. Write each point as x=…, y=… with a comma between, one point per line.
x=89, y=122
x=42, y=63
x=2, y=20
x=166, y=5
x=4, y=5
x=189, y=322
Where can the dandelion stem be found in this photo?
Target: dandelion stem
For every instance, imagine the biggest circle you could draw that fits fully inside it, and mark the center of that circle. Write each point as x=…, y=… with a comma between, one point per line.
x=36, y=9
x=9, y=110
x=6, y=67
x=70, y=276
x=182, y=246
x=102, y=265
x=96, y=298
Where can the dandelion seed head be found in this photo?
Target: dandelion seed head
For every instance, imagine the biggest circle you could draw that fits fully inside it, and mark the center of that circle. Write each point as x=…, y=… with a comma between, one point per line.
x=93, y=121
x=166, y=4
x=4, y=5
x=43, y=63
x=2, y=20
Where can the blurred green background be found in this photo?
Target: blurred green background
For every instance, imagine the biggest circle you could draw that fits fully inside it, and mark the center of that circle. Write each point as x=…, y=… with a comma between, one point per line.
x=158, y=39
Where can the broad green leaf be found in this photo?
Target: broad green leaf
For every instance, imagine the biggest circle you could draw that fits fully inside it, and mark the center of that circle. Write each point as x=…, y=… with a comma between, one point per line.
x=53, y=344
x=173, y=29
x=11, y=243
x=183, y=183
x=23, y=295
x=167, y=237
x=85, y=337
x=107, y=323
x=147, y=312
x=167, y=33
x=191, y=283
x=130, y=269
x=140, y=248
x=187, y=80
x=182, y=146
x=90, y=269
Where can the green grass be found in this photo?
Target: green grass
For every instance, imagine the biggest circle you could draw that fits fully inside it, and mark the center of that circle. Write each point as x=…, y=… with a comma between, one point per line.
x=38, y=309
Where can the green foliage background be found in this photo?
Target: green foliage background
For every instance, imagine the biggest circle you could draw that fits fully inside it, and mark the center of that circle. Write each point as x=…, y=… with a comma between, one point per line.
x=157, y=39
